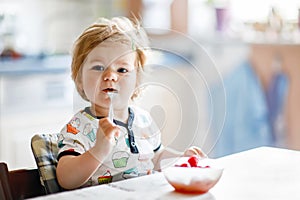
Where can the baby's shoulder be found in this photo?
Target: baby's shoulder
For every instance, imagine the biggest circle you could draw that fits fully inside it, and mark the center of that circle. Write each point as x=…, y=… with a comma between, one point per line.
x=138, y=111
x=83, y=116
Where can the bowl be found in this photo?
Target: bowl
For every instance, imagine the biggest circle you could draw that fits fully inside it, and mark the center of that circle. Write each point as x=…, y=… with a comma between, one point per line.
x=187, y=179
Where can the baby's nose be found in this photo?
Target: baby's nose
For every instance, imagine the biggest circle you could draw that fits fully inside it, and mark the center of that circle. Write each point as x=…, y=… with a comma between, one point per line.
x=110, y=75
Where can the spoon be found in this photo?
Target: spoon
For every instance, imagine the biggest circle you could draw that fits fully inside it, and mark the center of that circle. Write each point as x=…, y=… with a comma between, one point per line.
x=111, y=109
x=111, y=95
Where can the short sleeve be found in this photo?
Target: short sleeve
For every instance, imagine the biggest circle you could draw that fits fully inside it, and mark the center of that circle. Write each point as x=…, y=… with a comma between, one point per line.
x=78, y=135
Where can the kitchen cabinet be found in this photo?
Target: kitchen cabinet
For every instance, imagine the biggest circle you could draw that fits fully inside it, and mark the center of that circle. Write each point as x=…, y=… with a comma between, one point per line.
x=33, y=99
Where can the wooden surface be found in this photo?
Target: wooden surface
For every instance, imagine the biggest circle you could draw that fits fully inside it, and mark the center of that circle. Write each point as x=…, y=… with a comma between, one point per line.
x=261, y=173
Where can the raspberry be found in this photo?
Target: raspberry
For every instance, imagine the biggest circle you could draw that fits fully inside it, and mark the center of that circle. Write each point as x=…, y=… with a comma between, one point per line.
x=193, y=161
x=203, y=166
x=183, y=165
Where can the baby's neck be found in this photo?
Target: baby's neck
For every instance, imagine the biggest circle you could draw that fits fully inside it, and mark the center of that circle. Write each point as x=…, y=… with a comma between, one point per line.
x=121, y=115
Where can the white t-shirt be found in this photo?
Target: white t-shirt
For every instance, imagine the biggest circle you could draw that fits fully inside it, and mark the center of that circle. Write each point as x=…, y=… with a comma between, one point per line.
x=133, y=153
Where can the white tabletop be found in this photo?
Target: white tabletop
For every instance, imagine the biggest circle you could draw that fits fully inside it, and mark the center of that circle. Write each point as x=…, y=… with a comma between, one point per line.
x=261, y=173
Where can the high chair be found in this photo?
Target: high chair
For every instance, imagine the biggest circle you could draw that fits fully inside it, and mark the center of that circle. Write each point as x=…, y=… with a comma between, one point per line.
x=45, y=151
x=19, y=184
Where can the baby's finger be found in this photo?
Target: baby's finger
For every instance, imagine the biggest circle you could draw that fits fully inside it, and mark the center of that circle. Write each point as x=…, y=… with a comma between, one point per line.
x=195, y=151
x=107, y=126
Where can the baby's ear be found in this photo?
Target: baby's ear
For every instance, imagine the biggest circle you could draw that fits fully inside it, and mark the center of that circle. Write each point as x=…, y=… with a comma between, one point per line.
x=79, y=85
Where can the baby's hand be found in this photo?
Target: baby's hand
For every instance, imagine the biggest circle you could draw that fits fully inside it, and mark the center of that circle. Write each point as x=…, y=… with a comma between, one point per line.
x=106, y=139
x=194, y=151
x=107, y=131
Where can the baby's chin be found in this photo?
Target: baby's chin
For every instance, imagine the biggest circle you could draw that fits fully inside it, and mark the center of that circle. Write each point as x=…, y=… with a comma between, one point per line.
x=99, y=107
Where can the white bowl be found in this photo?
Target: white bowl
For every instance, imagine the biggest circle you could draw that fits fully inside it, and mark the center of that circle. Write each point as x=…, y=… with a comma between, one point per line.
x=191, y=179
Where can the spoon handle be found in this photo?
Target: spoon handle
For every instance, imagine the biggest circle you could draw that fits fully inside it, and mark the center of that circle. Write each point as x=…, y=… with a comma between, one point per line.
x=111, y=111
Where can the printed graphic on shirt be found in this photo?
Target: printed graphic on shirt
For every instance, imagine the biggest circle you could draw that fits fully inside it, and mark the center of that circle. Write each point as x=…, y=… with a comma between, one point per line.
x=127, y=141
x=90, y=132
x=70, y=150
x=60, y=143
x=106, y=178
x=89, y=116
x=120, y=159
x=73, y=125
x=130, y=173
x=77, y=142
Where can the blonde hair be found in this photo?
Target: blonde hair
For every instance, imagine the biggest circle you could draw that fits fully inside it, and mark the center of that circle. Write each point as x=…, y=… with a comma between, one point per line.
x=117, y=29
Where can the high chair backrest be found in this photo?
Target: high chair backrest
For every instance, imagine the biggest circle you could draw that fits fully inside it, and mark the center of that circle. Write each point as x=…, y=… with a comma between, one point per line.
x=5, y=191
x=45, y=151
x=19, y=184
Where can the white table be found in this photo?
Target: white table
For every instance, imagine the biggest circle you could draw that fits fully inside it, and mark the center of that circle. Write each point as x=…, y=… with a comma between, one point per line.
x=261, y=173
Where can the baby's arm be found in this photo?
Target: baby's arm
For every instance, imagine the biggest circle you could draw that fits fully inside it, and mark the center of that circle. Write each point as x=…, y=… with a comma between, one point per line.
x=73, y=171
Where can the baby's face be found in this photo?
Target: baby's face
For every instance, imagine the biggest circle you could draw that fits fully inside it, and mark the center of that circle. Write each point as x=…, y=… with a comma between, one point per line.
x=110, y=66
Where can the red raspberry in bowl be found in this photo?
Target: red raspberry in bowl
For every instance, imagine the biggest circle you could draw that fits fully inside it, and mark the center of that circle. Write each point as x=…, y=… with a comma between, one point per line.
x=193, y=161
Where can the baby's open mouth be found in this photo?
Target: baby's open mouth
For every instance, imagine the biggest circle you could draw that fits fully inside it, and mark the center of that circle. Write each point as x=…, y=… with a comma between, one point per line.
x=110, y=90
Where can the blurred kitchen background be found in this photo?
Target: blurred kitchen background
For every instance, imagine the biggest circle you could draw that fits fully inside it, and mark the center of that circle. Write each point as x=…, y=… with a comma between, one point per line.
x=227, y=80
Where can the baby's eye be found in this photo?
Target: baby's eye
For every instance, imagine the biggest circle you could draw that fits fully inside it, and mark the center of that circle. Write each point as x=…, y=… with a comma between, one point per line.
x=122, y=70
x=98, y=68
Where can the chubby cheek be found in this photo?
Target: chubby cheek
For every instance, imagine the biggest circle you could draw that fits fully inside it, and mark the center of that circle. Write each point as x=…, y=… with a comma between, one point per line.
x=127, y=87
x=91, y=87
